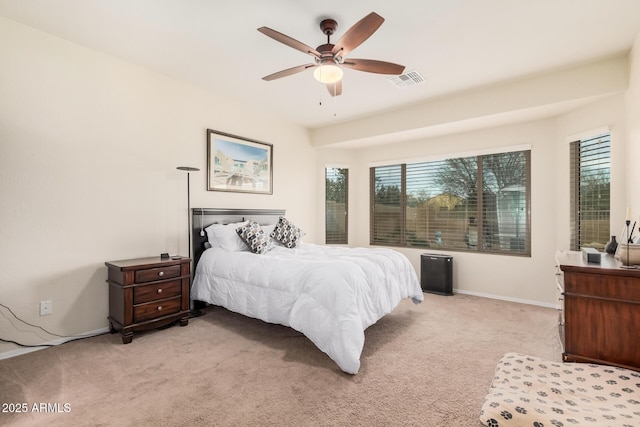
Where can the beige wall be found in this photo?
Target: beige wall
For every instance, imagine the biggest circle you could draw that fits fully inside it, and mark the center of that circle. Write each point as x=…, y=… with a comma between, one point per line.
x=633, y=130
x=500, y=103
x=515, y=278
x=89, y=147
x=608, y=113
x=531, y=279
x=595, y=96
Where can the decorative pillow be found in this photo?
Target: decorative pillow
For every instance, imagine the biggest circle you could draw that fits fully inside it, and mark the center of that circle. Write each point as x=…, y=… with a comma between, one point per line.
x=268, y=229
x=224, y=236
x=287, y=233
x=254, y=237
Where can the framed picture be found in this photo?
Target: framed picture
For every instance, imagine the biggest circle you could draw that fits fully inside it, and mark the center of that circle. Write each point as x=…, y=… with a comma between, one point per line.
x=238, y=164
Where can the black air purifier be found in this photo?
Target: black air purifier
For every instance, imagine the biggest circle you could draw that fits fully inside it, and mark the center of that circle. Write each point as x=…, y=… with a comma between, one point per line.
x=436, y=274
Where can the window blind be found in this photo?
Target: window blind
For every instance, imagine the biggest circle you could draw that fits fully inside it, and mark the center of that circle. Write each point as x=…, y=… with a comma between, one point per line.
x=387, y=205
x=590, y=204
x=475, y=203
x=441, y=198
x=336, y=205
x=505, y=202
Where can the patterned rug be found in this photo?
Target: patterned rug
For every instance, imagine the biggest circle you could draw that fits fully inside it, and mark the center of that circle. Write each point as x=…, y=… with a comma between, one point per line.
x=529, y=391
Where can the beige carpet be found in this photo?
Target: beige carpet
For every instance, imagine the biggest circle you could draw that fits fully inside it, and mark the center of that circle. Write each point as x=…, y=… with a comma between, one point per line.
x=426, y=365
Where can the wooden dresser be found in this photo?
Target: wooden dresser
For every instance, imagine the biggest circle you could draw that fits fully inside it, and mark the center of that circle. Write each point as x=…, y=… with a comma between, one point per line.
x=146, y=293
x=601, y=312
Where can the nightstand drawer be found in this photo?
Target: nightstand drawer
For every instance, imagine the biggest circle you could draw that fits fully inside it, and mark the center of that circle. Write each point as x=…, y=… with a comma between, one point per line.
x=156, y=309
x=160, y=273
x=157, y=291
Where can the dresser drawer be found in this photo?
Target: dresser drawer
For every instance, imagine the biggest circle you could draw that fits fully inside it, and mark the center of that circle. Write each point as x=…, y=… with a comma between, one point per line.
x=157, y=291
x=155, y=309
x=159, y=273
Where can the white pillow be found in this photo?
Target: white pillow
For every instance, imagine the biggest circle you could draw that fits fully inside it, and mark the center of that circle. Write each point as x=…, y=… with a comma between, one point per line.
x=225, y=236
x=268, y=228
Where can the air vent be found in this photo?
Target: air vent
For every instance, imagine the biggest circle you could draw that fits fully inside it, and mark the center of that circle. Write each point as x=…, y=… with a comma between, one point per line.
x=410, y=78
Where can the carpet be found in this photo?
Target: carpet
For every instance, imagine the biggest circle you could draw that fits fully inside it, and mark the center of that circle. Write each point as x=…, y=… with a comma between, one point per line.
x=429, y=365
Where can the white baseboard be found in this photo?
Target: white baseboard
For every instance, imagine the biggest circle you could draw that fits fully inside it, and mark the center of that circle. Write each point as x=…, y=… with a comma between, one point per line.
x=503, y=298
x=57, y=341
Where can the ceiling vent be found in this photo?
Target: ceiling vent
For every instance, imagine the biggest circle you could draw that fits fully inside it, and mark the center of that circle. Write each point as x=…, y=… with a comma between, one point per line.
x=410, y=78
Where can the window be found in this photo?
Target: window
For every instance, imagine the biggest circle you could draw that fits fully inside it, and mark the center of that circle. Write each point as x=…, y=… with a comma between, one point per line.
x=387, y=218
x=590, y=192
x=476, y=203
x=336, y=206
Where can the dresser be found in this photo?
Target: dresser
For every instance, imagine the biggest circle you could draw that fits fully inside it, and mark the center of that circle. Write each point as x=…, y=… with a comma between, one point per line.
x=601, y=311
x=146, y=293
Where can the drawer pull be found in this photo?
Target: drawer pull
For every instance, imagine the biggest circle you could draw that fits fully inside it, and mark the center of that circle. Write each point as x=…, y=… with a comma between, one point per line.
x=161, y=274
x=160, y=290
x=159, y=308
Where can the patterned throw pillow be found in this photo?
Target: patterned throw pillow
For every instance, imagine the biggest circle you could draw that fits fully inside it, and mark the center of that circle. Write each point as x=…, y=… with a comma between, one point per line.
x=287, y=233
x=254, y=237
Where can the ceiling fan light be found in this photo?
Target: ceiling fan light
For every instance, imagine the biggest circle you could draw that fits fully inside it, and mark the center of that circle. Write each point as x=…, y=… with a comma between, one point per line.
x=328, y=73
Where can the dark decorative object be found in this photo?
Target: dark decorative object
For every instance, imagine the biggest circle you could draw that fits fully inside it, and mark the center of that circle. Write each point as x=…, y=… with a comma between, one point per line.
x=189, y=169
x=627, y=222
x=611, y=247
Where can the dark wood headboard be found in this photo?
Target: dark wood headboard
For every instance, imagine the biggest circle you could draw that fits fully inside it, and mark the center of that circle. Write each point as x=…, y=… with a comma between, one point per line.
x=204, y=217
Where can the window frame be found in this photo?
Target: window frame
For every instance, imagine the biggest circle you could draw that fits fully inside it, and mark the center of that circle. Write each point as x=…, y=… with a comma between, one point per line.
x=576, y=221
x=337, y=238
x=403, y=241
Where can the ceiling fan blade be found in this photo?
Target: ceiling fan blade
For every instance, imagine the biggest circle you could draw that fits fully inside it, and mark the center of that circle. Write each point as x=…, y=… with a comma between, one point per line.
x=357, y=34
x=291, y=42
x=288, y=72
x=335, y=89
x=373, y=66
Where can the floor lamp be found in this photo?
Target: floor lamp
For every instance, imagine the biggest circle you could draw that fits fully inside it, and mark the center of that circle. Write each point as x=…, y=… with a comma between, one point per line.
x=189, y=169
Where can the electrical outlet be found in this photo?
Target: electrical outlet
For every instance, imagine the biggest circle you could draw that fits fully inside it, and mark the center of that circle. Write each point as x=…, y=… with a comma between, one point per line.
x=46, y=308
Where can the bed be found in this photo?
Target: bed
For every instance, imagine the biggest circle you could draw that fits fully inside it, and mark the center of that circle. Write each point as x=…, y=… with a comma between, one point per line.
x=330, y=294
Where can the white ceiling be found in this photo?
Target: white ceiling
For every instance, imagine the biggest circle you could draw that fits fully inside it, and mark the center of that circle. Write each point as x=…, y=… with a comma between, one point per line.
x=454, y=44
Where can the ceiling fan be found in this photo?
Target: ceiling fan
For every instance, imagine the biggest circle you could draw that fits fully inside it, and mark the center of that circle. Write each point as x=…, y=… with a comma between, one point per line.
x=330, y=58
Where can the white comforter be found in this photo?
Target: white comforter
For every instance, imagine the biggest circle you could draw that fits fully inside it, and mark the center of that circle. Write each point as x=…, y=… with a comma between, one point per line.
x=330, y=294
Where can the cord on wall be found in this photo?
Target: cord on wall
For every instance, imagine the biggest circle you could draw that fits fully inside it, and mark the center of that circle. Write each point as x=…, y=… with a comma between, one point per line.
x=201, y=222
x=73, y=337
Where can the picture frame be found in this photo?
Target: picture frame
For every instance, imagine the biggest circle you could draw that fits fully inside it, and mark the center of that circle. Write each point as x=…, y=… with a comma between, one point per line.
x=238, y=164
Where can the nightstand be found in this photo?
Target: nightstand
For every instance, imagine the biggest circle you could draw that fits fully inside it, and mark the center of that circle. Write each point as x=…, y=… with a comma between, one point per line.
x=147, y=293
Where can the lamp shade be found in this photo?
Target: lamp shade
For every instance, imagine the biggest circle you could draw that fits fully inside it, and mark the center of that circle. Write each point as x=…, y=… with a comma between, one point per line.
x=328, y=73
